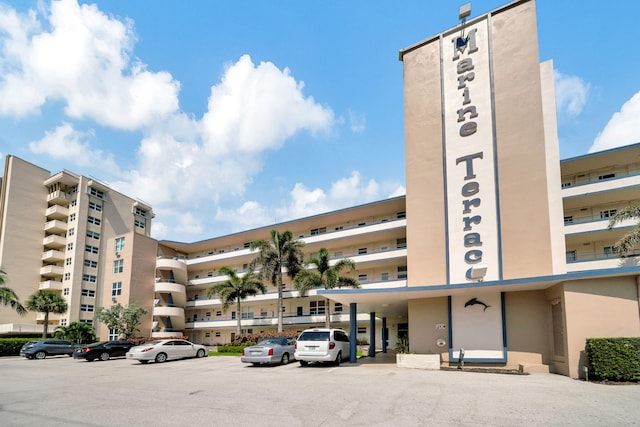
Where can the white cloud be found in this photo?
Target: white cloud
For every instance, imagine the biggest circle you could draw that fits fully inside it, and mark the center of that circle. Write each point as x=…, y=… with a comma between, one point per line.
x=255, y=108
x=304, y=202
x=571, y=93
x=69, y=144
x=85, y=61
x=358, y=122
x=622, y=129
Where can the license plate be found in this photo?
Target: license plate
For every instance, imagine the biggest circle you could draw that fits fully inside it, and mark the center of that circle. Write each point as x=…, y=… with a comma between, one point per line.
x=255, y=352
x=312, y=347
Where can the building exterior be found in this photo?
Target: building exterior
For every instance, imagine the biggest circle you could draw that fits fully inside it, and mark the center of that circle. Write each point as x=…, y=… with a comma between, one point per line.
x=76, y=236
x=499, y=253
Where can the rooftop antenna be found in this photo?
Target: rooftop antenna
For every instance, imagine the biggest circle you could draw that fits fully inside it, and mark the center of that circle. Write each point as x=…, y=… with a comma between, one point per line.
x=463, y=13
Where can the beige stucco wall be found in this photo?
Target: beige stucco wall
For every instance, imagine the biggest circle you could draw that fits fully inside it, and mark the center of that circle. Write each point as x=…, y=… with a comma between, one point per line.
x=424, y=315
x=424, y=176
x=527, y=325
x=599, y=308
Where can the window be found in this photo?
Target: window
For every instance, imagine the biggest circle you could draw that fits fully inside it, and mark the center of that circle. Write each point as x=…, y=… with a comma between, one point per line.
x=139, y=224
x=218, y=334
x=89, y=278
x=247, y=313
x=96, y=193
x=118, y=266
x=86, y=307
x=119, y=244
x=218, y=313
x=233, y=315
x=384, y=276
x=72, y=217
x=337, y=254
x=362, y=329
x=263, y=312
x=70, y=246
x=141, y=212
x=91, y=249
x=67, y=276
x=247, y=245
x=362, y=224
x=95, y=206
x=316, y=231
x=607, y=176
x=567, y=184
x=402, y=272
x=568, y=219
x=401, y=243
x=74, y=189
x=316, y=307
x=90, y=264
x=208, y=314
x=87, y=321
x=116, y=289
x=299, y=311
x=71, y=232
x=608, y=213
x=571, y=256
x=113, y=334
x=74, y=202
x=338, y=228
x=88, y=293
x=63, y=322
x=67, y=261
x=93, y=235
x=401, y=215
x=94, y=220
x=362, y=277
x=610, y=250
x=207, y=334
x=65, y=291
x=362, y=251
x=338, y=307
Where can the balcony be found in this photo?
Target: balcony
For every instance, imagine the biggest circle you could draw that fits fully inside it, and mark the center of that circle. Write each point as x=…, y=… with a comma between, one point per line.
x=57, y=212
x=51, y=285
x=178, y=267
x=178, y=292
x=58, y=197
x=52, y=271
x=168, y=311
x=52, y=256
x=55, y=227
x=54, y=241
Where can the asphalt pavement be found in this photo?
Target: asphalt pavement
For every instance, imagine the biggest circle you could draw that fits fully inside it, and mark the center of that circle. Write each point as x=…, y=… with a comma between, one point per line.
x=222, y=391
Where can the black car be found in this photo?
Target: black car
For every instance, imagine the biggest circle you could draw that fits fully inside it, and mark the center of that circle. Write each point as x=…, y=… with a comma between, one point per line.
x=39, y=349
x=103, y=350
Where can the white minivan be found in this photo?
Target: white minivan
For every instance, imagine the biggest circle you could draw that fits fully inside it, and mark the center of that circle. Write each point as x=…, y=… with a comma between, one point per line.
x=322, y=345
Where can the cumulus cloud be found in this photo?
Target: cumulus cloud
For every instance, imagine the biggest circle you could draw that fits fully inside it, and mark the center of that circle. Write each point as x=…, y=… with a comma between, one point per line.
x=571, y=93
x=622, y=129
x=64, y=142
x=303, y=202
x=82, y=57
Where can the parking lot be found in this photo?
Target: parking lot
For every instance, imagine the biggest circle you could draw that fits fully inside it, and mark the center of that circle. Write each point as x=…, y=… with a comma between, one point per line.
x=222, y=391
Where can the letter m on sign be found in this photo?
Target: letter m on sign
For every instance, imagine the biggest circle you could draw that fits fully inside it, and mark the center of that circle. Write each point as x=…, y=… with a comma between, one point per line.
x=460, y=44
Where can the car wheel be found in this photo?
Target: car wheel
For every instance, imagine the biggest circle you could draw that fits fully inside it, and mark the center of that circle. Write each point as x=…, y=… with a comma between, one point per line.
x=200, y=353
x=338, y=359
x=161, y=357
x=40, y=355
x=285, y=359
x=104, y=356
x=303, y=363
x=144, y=362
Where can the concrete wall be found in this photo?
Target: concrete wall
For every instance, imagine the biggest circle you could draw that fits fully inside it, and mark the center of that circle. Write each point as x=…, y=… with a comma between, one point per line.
x=424, y=315
x=527, y=328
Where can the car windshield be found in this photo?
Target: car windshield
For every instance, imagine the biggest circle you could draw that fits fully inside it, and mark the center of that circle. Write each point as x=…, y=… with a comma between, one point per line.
x=314, y=336
x=153, y=342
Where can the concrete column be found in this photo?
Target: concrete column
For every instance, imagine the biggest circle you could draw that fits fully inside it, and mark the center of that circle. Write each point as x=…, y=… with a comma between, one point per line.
x=384, y=335
x=372, y=334
x=353, y=332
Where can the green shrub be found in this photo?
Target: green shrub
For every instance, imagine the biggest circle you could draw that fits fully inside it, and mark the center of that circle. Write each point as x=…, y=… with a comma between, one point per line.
x=230, y=348
x=247, y=340
x=11, y=346
x=614, y=359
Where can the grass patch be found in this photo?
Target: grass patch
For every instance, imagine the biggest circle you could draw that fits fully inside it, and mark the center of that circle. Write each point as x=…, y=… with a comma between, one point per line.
x=217, y=353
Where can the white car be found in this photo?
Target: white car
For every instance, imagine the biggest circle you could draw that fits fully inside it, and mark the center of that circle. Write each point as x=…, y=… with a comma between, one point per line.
x=322, y=345
x=163, y=350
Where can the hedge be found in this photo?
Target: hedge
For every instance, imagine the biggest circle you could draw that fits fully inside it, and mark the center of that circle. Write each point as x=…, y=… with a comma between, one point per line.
x=614, y=359
x=12, y=346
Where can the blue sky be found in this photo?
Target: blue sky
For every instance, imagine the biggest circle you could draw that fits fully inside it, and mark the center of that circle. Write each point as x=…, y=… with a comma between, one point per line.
x=226, y=116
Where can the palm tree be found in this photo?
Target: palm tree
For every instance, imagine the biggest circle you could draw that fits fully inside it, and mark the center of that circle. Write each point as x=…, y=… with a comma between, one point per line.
x=46, y=301
x=325, y=276
x=236, y=289
x=631, y=240
x=281, y=252
x=9, y=297
x=76, y=332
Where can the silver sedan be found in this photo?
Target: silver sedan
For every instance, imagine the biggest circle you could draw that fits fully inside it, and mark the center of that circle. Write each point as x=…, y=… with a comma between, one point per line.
x=270, y=351
x=163, y=350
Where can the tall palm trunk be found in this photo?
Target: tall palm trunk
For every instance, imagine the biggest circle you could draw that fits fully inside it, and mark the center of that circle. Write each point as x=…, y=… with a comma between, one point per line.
x=327, y=322
x=46, y=324
x=280, y=302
